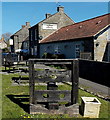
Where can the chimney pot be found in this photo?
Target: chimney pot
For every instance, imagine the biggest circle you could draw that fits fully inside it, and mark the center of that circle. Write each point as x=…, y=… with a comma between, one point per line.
x=47, y=15
x=27, y=23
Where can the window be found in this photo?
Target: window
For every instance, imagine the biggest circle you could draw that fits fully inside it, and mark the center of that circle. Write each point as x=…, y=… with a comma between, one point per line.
x=45, y=49
x=48, y=47
x=35, y=34
x=35, y=50
x=32, y=52
x=66, y=46
x=31, y=35
x=24, y=45
x=57, y=50
x=77, y=51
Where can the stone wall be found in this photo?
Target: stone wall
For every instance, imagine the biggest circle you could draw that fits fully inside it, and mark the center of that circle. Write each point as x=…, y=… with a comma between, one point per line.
x=100, y=44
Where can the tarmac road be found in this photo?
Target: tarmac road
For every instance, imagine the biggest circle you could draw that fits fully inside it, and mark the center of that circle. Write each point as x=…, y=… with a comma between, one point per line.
x=95, y=87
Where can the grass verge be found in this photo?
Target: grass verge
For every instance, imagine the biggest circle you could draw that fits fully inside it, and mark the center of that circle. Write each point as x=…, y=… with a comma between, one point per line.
x=15, y=101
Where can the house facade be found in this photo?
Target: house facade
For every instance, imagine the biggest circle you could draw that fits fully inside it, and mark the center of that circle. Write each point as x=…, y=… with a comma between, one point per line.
x=46, y=27
x=87, y=37
x=3, y=44
x=19, y=37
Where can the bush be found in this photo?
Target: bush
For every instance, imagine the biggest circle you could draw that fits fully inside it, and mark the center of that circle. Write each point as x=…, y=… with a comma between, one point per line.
x=58, y=56
x=47, y=55
x=53, y=56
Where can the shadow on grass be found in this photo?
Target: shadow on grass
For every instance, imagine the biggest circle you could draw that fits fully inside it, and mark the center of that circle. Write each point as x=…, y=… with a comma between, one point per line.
x=20, y=79
x=21, y=100
x=9, y=70
x=6, y=70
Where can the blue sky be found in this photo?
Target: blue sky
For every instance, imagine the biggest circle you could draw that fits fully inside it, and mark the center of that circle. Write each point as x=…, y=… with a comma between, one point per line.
x=15, y=14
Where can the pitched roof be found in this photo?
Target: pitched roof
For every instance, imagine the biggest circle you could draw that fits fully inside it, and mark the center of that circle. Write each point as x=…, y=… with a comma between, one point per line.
x=87, y=28
x=23, y=26
x=16, y=33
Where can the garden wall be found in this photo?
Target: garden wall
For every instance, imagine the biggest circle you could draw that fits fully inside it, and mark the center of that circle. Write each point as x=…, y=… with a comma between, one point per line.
x=95, y=71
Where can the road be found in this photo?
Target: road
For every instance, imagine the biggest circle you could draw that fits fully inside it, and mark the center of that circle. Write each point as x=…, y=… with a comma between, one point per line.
x=95, y=87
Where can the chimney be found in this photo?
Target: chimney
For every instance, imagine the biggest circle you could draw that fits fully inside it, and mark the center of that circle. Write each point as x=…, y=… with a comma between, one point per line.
x=23, y=26
x=28, y=24
x=47, y=15
x=60, y=9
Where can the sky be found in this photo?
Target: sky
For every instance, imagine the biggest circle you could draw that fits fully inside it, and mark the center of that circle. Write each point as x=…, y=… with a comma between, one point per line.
x=15, y=14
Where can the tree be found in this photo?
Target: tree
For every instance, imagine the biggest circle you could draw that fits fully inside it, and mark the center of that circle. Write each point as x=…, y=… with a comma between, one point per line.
x=6, y=36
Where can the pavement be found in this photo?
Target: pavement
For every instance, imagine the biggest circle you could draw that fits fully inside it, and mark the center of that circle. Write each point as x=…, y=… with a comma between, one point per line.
x=95, y=88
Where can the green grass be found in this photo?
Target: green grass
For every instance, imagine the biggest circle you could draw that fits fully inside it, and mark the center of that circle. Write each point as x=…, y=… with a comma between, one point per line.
x=13, y=105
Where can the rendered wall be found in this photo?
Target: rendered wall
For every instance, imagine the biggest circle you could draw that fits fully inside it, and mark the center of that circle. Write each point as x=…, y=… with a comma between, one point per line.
x=66, y=48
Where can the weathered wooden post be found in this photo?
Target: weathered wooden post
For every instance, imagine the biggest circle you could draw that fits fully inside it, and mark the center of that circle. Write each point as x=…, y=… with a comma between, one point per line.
x=31, y=82
x=74, y=77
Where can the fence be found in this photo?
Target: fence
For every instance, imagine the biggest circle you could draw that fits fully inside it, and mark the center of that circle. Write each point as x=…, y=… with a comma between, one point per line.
x=95, y=71
x=86, y=55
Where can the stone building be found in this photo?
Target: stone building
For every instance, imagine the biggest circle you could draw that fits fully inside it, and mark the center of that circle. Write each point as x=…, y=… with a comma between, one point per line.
x=3, y=44
x=19, y=37
x=46, y=27
x=89, y=37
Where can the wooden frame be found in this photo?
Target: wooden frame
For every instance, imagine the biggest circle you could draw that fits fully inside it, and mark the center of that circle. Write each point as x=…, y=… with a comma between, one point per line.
x=70, y=96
